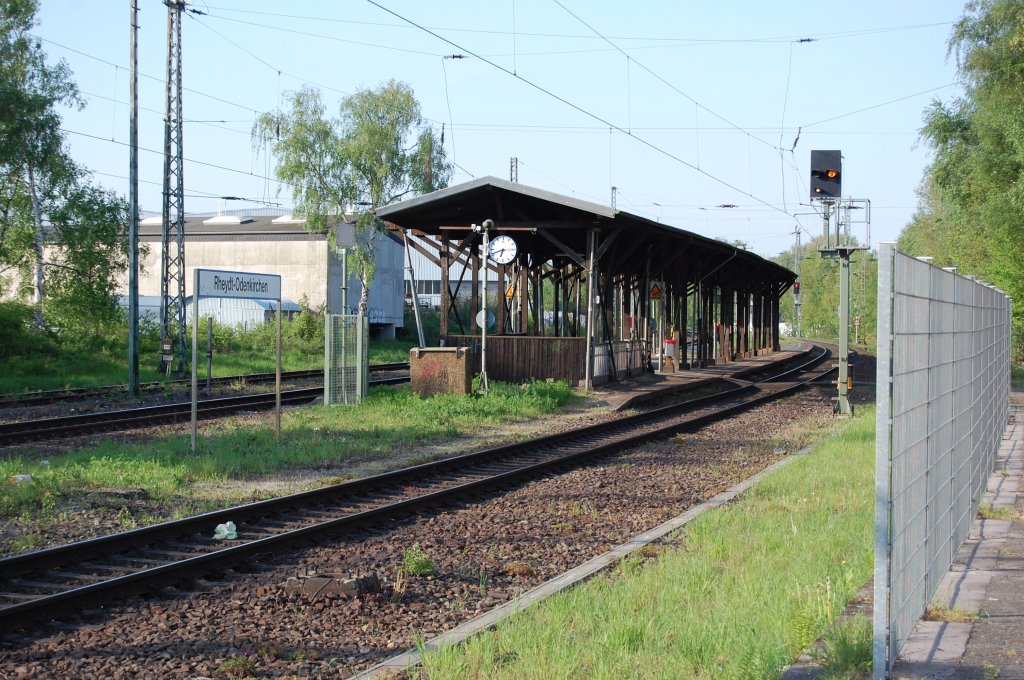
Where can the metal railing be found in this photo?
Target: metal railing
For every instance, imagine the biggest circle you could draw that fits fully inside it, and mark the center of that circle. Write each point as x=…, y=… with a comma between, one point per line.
x=625, y=356
x=943, y=386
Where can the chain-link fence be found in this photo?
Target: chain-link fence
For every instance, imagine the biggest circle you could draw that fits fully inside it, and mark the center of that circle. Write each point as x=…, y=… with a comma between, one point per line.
x=943, y=389
x=346, y=358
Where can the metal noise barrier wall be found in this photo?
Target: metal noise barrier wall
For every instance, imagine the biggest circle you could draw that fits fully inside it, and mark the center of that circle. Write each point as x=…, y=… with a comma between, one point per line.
x=943, y=390
x=346, y=358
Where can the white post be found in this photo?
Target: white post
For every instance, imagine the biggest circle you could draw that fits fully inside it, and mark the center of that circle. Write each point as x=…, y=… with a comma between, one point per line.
x=195, y=354
x=484, y=386
x=277, y=376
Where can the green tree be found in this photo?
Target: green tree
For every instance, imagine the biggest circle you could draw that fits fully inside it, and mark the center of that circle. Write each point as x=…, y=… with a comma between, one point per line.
x=819, y=292
x=34, y=164
x=376, y=152
x=90, y=226
x=972, y=196
x=63, y=238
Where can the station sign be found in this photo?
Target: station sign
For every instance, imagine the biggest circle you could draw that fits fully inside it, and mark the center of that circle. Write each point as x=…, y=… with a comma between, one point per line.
x=225, y=284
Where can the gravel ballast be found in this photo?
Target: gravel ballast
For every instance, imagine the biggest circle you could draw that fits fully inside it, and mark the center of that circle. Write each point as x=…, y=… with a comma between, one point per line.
x=486, y=551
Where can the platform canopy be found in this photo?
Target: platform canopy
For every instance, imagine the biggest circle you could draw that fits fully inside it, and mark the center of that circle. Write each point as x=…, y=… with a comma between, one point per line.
x=647, y=275
x=562, y=223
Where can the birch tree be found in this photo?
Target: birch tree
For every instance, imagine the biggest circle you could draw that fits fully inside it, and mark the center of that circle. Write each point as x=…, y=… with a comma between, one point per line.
x=376, y=151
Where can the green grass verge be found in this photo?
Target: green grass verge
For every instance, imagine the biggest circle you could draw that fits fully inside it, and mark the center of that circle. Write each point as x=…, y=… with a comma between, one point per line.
x=1017, y=377
x=389, y=420
x=752, y=586
x=91, y=369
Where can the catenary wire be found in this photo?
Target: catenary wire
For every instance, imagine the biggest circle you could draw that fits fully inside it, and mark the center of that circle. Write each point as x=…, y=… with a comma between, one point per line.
x=579, y=108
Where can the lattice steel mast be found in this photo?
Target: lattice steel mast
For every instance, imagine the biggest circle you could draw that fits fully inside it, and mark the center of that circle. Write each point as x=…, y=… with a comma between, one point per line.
x=172, y=267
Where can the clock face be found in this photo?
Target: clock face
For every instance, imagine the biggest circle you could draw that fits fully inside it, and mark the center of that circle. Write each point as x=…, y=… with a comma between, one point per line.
x=503, y=249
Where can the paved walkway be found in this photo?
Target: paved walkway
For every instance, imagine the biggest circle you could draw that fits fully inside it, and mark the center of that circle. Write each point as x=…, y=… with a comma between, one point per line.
x=986, y=579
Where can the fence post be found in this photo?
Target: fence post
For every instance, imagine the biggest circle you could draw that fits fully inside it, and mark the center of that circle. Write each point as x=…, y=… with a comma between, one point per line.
x=883, y=458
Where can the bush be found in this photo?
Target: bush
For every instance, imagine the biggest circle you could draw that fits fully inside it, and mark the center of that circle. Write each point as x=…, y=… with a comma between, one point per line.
x=431, y=319
x=415, y=562
x=17, y=336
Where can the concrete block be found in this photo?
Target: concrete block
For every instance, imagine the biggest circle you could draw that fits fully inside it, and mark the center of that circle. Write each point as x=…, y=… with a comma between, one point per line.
x=440, y=370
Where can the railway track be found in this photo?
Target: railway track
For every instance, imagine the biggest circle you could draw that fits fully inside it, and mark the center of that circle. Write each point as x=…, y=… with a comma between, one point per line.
x=38, y=398
x=51, y=582
x=126, y=419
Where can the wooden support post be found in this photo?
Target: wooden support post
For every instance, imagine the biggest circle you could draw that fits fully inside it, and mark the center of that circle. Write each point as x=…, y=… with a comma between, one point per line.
x=446, y=302
x=776, y=346
x=524, y=298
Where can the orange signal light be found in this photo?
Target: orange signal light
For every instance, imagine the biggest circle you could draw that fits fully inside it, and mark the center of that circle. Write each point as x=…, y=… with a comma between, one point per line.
x=832, y=174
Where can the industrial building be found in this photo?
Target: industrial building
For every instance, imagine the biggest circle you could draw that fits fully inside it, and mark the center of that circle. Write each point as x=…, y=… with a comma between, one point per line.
x=269, y=241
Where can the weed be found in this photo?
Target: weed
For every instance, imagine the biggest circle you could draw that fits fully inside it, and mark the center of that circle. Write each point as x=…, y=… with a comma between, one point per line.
x=848, y=649
x=987, y=511
x=305, y=655
x=27, y=542
x=647, y=552
x=238, y=667
x=947, y=615
x=483, y=581
x=519, y=569
x=401, y=585
x=126, y=519
x=415, y=562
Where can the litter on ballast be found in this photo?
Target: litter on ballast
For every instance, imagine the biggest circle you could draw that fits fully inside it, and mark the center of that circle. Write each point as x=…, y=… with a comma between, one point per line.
x=225, y=531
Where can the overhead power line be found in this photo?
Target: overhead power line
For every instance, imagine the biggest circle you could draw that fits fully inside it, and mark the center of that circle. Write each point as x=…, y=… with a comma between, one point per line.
x=875, y=106
x=190, y=160
x=633, y=60
x=527, y=34
x=579, y=108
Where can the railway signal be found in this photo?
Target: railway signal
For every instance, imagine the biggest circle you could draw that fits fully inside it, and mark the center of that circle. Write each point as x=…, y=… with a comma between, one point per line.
x=826, y=188
x=826, y=174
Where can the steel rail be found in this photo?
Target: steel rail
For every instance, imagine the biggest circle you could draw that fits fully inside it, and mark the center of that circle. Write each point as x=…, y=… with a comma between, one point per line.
x=372, y=499
x=106, y=421
x=35, y=398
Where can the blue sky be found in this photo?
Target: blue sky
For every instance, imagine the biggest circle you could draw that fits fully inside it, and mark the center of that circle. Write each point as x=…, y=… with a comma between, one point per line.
x=683, y=106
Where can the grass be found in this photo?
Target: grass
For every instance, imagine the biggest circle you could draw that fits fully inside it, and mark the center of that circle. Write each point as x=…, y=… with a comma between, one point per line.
x=45, y=361
x=987, y=511
x=948, y=615
x=848, y=650
x=1017, y=377
x=90, y=369
x=389, y=420
x=752, y=586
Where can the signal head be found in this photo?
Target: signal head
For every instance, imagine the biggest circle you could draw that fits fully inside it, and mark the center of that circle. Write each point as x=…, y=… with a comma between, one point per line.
x=826, y=174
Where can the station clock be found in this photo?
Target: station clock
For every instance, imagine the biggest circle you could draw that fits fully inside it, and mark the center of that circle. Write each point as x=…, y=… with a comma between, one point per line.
x=502, y=249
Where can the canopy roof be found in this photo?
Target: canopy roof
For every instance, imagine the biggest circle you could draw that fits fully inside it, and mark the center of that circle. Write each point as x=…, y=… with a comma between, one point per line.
x=550, y=226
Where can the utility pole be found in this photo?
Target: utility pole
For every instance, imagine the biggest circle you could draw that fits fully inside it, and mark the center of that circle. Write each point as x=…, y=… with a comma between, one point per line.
x=172, y=267
x=133, y=212
x=798, y=256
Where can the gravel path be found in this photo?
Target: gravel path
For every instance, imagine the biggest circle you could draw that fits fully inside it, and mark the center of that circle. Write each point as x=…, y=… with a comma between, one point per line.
x=486, y=551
